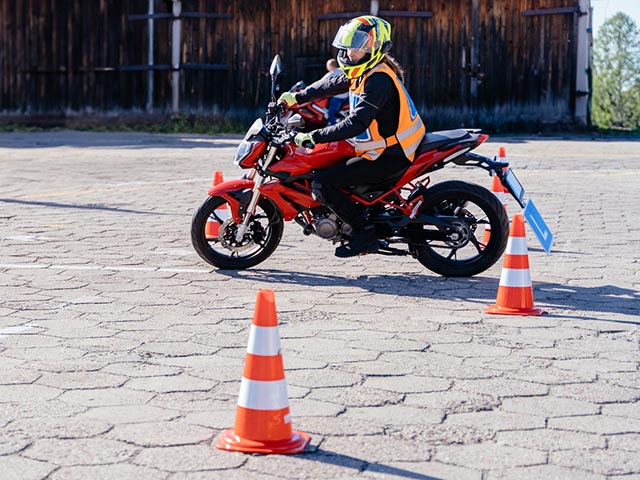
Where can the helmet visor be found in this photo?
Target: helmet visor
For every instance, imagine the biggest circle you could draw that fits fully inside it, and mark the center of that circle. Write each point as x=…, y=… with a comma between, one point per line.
x=354, y=39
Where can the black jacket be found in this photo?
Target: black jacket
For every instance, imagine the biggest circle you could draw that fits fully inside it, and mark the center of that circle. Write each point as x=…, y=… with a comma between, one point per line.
x=379, y=101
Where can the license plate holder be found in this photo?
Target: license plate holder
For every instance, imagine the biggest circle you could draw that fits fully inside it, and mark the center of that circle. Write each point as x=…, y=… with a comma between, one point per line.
x=514, y=186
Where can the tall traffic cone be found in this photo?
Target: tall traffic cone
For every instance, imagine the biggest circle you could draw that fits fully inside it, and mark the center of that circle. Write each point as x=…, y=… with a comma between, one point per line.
x=496, y=189
x=212, y=228
x=515, y=293
x=263, y=421
x=502, y=157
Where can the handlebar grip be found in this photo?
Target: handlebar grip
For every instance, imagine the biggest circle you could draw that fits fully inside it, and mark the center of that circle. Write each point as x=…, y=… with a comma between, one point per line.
x=308, y=144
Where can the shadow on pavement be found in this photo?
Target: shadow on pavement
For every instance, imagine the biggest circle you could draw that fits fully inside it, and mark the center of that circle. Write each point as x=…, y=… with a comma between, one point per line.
x=75, y=206
x=131, y=140
x=346, y=461
x=481, y=290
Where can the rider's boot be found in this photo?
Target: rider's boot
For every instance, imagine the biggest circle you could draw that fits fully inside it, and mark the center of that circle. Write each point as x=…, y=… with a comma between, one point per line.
x=363, y=240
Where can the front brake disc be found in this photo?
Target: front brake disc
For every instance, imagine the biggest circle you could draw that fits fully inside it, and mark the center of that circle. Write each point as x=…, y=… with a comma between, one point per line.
x=227, y=237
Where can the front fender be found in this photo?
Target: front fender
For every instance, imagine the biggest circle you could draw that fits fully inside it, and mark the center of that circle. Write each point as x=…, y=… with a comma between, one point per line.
x=223, y=189
x=237, y=193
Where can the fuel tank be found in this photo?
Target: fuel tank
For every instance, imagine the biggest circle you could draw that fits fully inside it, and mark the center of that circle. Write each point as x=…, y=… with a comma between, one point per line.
x=324, y=155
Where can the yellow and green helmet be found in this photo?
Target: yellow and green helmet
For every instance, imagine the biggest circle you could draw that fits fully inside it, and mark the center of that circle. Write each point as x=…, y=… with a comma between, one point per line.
x=367, y=33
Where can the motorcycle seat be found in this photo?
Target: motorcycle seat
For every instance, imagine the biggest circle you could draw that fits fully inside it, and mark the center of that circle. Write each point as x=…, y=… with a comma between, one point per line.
x=435, y=140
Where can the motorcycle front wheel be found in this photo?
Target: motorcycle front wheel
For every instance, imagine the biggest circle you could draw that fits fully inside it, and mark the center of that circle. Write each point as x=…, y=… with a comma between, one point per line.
x=213, y=234
x=474, y=250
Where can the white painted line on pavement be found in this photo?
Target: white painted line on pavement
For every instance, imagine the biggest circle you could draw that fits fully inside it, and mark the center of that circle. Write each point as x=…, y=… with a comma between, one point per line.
x=16, y=330
x=77, y=267
x=183, y=270
x=24, y=266
x=168, y=182
x=589, y=171
x=27, y=238
x=114, y=268
x=125, y=268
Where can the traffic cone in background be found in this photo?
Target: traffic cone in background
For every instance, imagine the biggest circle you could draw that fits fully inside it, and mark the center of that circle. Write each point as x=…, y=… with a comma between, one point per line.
x=496, y=189
x=515, y=293
x=263, y=421
x=213, y=226
x=502, y=157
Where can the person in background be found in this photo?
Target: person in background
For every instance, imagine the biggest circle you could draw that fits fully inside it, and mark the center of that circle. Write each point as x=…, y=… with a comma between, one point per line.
x=383, y=124
x=337, y=101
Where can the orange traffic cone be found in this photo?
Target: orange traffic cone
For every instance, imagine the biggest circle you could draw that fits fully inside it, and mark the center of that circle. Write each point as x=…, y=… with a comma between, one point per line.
x=515, y=294
x=502, y=157
x=496, y=188
x=263, y=421
x=213, y=226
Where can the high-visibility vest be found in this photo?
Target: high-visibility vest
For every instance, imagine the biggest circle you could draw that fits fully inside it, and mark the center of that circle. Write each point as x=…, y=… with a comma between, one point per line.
x=370, y=144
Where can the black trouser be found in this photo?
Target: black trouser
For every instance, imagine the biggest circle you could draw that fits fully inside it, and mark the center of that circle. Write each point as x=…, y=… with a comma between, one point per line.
x=355, y=171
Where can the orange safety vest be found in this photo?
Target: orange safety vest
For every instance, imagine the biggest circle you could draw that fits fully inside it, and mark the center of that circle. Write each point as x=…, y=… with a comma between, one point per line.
x=370, y=144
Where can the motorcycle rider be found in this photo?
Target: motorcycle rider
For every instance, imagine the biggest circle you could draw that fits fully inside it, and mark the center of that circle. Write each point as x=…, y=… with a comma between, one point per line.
x=383, y=123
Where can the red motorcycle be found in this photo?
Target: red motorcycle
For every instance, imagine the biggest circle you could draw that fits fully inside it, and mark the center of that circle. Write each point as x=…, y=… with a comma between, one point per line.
x=315, y=113
x=442, y=225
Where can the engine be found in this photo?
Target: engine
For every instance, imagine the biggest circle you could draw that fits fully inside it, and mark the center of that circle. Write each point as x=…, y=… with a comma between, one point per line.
x=330, y=227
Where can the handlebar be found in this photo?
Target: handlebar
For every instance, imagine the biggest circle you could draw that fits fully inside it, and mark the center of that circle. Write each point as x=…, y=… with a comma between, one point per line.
x=284, y=135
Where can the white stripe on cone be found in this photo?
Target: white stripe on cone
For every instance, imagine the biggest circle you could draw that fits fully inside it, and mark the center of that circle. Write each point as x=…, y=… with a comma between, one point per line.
x=512, y=277
x=263, y=341
x=517, y=246
x=223, y=213
x=500, y=196
x=259, y=395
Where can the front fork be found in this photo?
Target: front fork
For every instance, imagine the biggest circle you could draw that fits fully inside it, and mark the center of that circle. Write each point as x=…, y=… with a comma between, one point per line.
x=255, y=195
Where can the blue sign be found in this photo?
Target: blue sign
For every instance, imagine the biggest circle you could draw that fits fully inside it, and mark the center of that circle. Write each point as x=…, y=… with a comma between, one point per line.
x=538, y=225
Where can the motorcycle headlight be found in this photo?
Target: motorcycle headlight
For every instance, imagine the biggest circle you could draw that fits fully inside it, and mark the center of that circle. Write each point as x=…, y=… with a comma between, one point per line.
x=248, y=152
x=252, y=146
x=254, y=129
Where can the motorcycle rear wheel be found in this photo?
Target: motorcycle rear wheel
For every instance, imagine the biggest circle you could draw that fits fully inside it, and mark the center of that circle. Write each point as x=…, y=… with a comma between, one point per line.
x=476, y=206
x=223, y=251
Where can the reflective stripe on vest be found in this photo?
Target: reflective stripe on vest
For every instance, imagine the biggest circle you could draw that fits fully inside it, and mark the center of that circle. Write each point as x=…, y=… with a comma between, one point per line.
x=371, y=144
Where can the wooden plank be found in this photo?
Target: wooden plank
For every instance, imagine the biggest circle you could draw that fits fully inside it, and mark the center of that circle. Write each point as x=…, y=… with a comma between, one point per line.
x=204, y=66
x=135, y=68
x=146, y=16
x=411, y=14
x=551, y=11
x=165, y=16
x=214, y=15
x=381, y=13
x=141, y=68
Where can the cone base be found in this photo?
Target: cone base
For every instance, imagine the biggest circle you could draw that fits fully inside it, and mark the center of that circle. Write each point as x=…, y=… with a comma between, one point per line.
x=228, y=440
x=525, y=312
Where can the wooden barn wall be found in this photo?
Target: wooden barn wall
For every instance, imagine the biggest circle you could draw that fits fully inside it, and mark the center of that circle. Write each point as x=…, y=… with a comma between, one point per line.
x=62, y=57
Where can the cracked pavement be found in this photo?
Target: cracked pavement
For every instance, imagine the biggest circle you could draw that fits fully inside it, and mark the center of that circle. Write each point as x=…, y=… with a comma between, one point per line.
x=122, y=351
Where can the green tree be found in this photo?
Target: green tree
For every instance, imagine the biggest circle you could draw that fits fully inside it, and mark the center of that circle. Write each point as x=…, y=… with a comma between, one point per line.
x=616, y=74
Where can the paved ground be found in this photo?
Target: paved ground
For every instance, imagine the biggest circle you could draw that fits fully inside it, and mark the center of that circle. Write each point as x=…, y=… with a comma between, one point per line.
x=121, y=351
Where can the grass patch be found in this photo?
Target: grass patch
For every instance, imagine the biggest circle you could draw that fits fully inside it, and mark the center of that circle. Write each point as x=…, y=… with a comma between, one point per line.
x=20, y=127
x=180, y=124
